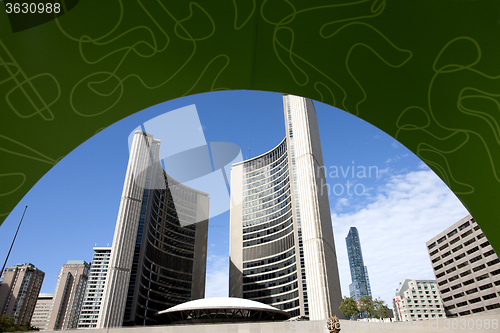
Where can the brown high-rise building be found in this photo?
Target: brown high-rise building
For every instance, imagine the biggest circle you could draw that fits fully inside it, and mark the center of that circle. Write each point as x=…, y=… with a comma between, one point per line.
x=68, y=296
x=19, y=289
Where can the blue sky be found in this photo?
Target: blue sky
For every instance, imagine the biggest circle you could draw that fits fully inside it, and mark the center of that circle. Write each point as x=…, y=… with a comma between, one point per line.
x=397, y=207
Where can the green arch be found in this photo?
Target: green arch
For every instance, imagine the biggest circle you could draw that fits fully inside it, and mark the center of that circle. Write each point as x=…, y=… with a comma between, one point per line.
x=424, y=71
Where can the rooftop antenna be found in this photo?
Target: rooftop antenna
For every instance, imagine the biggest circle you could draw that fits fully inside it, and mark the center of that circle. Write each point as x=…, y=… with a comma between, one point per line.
x=11, y=245
x=248, y=149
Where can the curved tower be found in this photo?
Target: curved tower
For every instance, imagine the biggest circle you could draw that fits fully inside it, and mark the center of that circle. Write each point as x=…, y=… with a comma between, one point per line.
x=158, y=257
x=282, y=251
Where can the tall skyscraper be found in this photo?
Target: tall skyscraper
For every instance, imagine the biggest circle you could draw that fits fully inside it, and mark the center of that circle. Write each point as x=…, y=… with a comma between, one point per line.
x=42, y=311
x=68, y=296
x=19, y=289
x=282, y=251
x=360, y=285
x=158, y=257
x=91, y=307
x=467, y=269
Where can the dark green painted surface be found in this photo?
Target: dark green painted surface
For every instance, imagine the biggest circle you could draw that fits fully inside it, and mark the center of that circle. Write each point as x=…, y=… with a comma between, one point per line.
x=424, y=71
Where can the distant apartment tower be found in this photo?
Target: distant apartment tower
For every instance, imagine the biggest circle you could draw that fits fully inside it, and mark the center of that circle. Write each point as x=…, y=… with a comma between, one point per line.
x=19, y=289
x=360, y=285
x=158, y=257
x=282, y=250
x=417, y=300
x=68, y=295
x=91, y=307
x=467, y=269
x=42, y=311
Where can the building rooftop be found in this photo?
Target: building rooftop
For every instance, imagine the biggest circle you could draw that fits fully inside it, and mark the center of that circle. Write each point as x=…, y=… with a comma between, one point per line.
x=76, y=262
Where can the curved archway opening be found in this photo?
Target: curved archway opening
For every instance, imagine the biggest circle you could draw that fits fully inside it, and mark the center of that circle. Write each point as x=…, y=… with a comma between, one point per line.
x=374, y=183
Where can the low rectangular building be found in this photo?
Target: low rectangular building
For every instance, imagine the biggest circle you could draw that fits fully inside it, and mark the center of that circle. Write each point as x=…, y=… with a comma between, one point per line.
x=417, y=300
x=42, y=311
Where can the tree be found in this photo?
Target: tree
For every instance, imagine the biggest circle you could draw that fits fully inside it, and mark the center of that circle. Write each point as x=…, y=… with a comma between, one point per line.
x=372, y=307
x=349, y=307
x=366, y=306
x=7, y=324
x=379, y=308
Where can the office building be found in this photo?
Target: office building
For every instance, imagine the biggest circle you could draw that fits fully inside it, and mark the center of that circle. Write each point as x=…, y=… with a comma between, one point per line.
x=68, y=295
x=417, y=300
x=91, y=307
x=158, y=257
x=282, y=251
x=360, y=285
x=19, y=289
x=467, y=269
x=42, y=311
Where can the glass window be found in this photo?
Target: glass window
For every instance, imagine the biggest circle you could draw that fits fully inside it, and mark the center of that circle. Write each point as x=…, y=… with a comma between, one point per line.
x=463, y=226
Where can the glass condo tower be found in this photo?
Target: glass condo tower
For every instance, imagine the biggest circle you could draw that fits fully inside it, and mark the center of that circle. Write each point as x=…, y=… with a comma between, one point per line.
x=360, y=285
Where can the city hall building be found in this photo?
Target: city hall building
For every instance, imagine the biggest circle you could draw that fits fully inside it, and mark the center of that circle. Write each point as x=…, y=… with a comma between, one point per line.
x=158, y=257
x=282, y=250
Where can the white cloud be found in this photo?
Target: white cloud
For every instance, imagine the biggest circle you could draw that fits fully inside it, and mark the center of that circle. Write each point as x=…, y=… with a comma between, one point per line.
x=217, y=283
x=423, y=166
x=383, y=172
x=407, y=211
x=341, y=202
x=397, y=157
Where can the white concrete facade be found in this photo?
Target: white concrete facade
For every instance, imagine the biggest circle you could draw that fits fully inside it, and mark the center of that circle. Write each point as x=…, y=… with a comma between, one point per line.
x=116, y=286
x=322, y=276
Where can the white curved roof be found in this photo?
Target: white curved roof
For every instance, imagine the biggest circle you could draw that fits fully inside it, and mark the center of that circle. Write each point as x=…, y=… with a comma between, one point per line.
x=221, y=303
